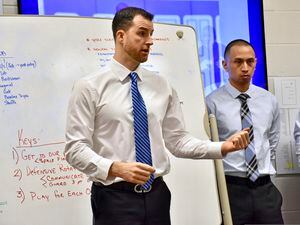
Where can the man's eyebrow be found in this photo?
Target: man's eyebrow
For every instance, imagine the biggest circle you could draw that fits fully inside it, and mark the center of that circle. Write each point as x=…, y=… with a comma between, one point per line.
x=144, y=28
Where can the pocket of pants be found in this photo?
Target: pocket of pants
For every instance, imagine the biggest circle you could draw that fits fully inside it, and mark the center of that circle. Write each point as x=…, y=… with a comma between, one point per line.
x=279, y=194
x=95, y=200
x=167, y=191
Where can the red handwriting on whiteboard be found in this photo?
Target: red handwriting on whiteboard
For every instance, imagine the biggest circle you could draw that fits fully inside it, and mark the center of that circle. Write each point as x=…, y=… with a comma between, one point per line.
x=26, y=141
x=21, y=195
x=39, y=197
x=18, y=173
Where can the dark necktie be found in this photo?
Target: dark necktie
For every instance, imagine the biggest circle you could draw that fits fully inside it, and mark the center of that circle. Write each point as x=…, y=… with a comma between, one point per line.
x=251, y=161
x=140, y=122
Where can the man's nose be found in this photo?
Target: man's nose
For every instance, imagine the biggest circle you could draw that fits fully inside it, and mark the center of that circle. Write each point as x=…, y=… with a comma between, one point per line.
x=245, y=66
x=149, y=41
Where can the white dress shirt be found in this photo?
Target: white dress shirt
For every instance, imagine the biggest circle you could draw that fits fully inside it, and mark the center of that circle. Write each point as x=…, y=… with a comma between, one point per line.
x=100, y=123
x=223, y=103
x=297, y=137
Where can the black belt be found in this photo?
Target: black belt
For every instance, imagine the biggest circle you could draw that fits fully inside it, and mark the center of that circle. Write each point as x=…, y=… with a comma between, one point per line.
x=246, y=181
x=127, y=186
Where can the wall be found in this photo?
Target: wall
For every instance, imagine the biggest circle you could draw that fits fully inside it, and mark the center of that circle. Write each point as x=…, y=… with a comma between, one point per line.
x=10, y=7
x=283, y=47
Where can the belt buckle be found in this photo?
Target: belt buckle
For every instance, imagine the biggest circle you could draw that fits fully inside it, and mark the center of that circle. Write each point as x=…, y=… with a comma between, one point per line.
x=140, y=189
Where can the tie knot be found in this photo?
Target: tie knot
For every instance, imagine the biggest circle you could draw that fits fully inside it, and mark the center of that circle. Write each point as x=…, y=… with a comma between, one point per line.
x=243, y=97
x=133, y=76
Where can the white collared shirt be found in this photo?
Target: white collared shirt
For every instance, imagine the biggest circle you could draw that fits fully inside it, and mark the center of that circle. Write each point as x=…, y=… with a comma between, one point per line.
x=100, y=123
x=223, y=103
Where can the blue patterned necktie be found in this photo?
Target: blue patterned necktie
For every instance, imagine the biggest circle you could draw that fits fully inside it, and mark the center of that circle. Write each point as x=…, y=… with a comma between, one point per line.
x=140, y=123
x=251, y=161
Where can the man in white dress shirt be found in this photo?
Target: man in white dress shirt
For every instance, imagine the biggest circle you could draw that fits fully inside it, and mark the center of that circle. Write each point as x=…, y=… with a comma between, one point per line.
x=253, y=199
x=101, y=136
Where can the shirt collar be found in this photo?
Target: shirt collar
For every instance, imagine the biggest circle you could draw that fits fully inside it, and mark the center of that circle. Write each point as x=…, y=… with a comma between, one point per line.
x=122, y=72
x=235, y=93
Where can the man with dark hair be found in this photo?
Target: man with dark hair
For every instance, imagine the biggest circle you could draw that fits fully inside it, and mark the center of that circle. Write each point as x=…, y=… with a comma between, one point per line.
x=124, y=18
x=253, y=198
x=120, y=123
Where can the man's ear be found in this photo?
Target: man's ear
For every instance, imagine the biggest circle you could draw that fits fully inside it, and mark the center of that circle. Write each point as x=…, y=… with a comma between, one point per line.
x=120, y=36
x=225, y=65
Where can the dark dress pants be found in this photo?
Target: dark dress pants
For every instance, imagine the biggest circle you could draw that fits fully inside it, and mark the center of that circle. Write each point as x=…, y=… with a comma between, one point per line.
x=254, y=203
x=119, y=204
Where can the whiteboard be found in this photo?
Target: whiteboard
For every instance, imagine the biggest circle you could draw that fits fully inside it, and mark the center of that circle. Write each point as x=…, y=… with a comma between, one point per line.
x=40, y=58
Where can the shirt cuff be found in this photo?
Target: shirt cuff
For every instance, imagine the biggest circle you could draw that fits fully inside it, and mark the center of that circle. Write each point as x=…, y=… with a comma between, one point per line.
x=214, y=150
x=103, y=168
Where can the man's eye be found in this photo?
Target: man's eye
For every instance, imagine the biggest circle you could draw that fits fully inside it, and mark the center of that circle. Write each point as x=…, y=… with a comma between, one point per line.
x=142, y=33
x=250, y=61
